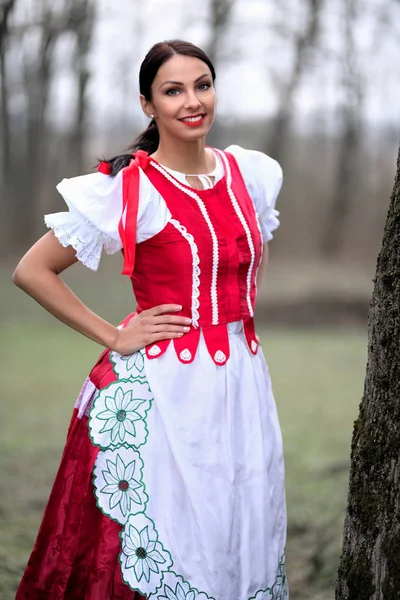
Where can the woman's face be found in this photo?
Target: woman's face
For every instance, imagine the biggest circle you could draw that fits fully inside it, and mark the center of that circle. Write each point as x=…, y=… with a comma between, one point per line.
x=183, y=98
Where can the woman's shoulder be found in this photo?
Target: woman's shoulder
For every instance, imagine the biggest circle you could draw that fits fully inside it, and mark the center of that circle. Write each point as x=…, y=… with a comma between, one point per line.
x=256, y=166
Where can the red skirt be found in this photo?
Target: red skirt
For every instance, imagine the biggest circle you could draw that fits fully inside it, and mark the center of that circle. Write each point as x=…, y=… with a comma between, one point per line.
x=75, y=556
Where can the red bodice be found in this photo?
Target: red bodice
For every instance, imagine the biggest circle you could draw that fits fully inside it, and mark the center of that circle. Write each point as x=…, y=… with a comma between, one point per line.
x=206, y=257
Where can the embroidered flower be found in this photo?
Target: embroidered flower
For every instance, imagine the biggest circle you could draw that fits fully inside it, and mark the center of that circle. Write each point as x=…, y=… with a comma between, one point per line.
x=117, y=482
x=279, y=590
x=129, y=366
x=177, y=594
x=121, y=414
x=174, y=587
x=118, y=414
x=143, y=559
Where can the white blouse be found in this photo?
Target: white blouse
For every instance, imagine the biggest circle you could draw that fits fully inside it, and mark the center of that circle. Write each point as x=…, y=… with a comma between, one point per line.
x=95, y=205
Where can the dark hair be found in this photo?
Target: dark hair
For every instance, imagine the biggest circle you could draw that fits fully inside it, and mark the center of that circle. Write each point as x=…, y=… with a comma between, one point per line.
x=149, y=139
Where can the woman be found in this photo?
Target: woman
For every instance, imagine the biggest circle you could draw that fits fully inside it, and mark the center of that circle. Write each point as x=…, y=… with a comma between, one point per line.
x=171, y=485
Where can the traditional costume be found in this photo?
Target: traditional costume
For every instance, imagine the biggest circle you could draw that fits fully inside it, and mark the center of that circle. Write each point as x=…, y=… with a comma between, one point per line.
x=171, y=484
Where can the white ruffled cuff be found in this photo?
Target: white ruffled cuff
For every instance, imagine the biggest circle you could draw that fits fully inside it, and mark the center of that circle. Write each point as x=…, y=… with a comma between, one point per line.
x=72, y=229
x=269, y=225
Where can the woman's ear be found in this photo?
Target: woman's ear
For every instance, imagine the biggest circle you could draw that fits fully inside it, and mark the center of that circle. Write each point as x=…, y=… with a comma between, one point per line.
x=147, y=106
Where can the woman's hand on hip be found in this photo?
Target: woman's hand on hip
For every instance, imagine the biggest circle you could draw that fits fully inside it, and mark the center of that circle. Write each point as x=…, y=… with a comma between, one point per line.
x=151, y=326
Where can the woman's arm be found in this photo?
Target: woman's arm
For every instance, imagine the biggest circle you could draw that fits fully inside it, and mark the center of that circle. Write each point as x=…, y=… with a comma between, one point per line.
x=263, y=265
x=37, y=274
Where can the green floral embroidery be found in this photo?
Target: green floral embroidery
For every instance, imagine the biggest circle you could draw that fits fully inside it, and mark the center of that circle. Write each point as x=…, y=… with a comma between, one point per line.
x=130, y=366
x=121, y=414
x=279, y=591
x=174, y=587
x=177, y=594
x=121, y=485
x=143, y=554
x=134, y=361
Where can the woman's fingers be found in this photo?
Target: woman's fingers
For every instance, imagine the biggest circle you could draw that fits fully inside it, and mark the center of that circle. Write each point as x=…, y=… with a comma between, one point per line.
x=171, y=320
x=169, y=328
x=163, y=335
x=162, y=309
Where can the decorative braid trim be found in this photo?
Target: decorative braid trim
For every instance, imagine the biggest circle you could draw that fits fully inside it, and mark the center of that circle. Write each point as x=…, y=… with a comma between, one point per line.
x=201, y=205
x=195, y=271
x=245, y=226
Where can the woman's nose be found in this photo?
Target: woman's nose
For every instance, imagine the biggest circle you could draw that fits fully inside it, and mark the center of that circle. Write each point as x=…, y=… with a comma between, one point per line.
x=192, y=100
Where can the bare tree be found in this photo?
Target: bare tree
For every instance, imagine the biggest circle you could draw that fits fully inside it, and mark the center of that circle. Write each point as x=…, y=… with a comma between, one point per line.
x=347, y=170
x=370, y=562
x=303, y=40
x=220, y=14
x=29, y=132
x=81, y=23
x=6, y=8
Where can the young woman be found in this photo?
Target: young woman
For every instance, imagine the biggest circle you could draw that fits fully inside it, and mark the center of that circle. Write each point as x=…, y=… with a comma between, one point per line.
x=171, y=485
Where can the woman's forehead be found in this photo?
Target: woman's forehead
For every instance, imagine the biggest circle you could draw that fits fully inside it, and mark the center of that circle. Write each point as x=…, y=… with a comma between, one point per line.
x=182, y=69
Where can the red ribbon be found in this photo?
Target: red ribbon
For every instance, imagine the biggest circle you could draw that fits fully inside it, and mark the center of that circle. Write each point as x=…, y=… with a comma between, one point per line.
x=104, y=167
x=130, y=204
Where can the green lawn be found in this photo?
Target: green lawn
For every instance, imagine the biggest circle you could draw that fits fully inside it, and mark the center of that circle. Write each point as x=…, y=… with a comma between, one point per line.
x=317, y=377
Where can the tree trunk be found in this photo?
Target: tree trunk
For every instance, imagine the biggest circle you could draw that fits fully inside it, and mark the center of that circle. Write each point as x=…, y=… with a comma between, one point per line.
x=219, y=20
x=370, y=564
x=5, y=136
x=82, y=22
x=303, y=41
x=348, y=168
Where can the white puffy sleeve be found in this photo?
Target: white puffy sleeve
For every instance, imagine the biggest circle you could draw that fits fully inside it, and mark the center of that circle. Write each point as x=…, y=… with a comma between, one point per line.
x=95, y=206
x=263, y=178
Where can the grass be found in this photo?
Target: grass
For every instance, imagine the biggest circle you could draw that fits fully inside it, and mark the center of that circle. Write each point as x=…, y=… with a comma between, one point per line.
x=317, y=378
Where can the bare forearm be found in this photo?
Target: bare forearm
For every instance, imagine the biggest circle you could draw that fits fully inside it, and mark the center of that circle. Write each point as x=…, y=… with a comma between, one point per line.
x=48, y=289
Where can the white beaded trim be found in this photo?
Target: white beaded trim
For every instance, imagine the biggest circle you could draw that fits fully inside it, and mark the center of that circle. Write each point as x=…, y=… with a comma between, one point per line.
x=186, y=355
x=219, y=356
x=200, y=203
x=155, y=350
x=195, y=272
x=245, y=226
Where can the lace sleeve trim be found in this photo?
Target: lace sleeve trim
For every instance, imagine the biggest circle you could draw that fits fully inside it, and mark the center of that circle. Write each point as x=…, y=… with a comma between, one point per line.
x=76, y=231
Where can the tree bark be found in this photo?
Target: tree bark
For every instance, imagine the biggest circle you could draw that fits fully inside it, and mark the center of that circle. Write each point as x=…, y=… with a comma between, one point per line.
x=370, y=563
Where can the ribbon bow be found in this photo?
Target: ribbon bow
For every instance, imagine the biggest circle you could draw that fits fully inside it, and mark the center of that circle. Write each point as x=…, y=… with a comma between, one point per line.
x=142, y=158
x=104, y=167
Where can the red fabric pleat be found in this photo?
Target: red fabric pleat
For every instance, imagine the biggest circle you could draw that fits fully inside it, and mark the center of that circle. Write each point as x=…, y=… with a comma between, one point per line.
x=217, y=342
x=75, y=556
x=186, y=346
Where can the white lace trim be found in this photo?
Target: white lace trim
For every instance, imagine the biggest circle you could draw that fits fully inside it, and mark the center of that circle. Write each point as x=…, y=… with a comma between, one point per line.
x=154, y=350
x=72, y=229
x=245, y=226
x=195, y=270
x=200, y=203
x=186, y=355
x=219, y=356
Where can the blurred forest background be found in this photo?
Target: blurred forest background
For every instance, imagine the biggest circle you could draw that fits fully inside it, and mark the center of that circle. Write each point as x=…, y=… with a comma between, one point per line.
x=313, y=83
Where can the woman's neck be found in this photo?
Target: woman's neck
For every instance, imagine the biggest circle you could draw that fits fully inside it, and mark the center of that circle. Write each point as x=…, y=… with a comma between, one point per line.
x=186, y=157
